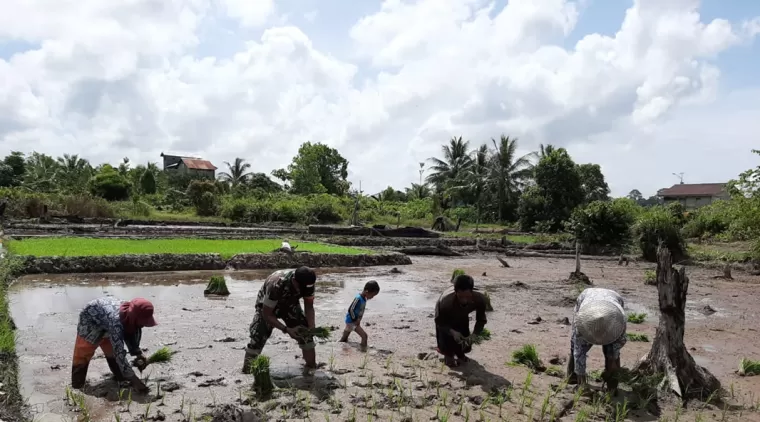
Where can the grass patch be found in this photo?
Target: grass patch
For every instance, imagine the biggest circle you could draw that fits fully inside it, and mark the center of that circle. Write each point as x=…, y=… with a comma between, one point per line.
x=217, y=286
x=730, y=252
x=11, y=398
x=638, y=337
x=527, y=356
x=81, y=246
x=650, y=277
x=484, y=335
x=635, y=318
x=748, y=367
x=161, y=355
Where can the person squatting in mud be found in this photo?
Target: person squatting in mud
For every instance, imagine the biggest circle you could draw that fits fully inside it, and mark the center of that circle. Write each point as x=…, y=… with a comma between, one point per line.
x=279, y=299
x=356, y=312
x=110, y=323
x=599, y=320
x=452, y=321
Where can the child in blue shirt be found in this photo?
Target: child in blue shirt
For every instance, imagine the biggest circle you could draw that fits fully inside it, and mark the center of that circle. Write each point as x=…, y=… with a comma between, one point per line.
x=356, y=312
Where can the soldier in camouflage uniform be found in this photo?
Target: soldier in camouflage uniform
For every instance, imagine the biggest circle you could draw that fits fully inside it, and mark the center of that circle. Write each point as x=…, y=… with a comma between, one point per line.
x=279, y=299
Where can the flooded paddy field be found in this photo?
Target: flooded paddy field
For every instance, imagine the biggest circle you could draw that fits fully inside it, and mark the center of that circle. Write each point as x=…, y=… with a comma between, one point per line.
x=400, y=377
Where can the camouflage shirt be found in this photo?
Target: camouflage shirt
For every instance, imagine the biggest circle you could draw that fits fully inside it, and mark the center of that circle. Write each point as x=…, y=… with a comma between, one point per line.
x=278, y=289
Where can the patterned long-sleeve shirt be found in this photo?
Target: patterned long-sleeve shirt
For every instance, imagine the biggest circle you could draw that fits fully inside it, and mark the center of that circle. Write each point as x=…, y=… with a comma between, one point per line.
x=579, y=345
x=100, y=319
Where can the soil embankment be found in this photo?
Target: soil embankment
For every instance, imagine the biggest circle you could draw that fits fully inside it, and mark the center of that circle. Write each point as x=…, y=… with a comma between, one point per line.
x=191, y=262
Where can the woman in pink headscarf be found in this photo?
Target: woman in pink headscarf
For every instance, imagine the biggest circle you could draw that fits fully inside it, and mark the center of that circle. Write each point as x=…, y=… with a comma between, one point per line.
x=109, y=323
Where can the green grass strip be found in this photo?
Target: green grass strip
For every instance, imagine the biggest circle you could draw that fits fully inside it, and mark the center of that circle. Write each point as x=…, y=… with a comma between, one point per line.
x=83, y=246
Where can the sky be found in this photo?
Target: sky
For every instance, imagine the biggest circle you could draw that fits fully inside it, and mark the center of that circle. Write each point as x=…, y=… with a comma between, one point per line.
x=646, y=88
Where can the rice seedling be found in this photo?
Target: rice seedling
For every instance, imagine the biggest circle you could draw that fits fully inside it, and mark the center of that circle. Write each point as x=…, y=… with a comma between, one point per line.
x=262, y=379
x=217, y=286
x=482, y=336
x=489, y=307
x=636, y=318
x=621, y=411
x=161, y=355
x=748, y=367
x=457, y=272
x=640, y=337
x=527, y=356
x=555, y=371
x=650, y=277
x=322, y=333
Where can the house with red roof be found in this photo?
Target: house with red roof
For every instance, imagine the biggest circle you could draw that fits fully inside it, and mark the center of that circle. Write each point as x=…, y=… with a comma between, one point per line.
x=189, y=165
x=694, y=195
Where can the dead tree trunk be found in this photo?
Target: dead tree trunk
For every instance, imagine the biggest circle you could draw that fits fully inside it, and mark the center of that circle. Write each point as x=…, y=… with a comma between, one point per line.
x=577, y=276
x=669, y=355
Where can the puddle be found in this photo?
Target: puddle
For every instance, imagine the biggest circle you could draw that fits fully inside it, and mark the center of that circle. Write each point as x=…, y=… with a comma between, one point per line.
x=46, y=307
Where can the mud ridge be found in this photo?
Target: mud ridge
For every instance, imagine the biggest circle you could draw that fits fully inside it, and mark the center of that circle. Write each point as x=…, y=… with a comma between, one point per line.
x=191, y=262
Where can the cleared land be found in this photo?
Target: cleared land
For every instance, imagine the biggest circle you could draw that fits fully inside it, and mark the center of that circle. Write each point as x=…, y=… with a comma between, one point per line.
x=81, y=246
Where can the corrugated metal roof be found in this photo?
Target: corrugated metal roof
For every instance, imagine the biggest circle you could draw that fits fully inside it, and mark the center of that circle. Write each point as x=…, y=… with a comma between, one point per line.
x=198, y=164
x=696, y=189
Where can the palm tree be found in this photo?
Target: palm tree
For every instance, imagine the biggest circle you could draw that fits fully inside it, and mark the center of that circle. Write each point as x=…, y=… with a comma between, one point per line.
x=418, y=191
x=41, y=170
x=237, y=172
x=508, y=174
x=545, y=150
x=73, y=172
x=475, y=180
x=447, y=171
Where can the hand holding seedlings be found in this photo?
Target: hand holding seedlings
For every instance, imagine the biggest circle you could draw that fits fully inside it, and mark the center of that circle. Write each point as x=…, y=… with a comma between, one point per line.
x=140, y=362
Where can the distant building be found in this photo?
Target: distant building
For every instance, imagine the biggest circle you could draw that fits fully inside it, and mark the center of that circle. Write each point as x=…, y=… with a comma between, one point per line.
x=189, y=165
x=693, y=196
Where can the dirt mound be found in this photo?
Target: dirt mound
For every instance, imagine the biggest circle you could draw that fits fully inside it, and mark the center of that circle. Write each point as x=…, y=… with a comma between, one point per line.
x=191, y=262
x=232, y=413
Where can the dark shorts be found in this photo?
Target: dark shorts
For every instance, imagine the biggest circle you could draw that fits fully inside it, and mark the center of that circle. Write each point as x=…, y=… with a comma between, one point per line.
x=290, y=313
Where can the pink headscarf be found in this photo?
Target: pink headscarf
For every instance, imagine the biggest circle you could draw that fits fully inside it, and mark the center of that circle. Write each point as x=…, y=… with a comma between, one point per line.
x=135, y=314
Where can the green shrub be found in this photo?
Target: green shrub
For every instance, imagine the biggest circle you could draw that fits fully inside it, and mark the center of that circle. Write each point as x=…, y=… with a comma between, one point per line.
x=207, y=205
x=602, y=223
x=109, y=184
x=658, y=225
x=708, y=221
x=197, y=188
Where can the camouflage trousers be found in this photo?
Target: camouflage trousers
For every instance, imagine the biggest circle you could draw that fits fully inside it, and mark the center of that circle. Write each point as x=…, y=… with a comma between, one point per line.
x=291, y=314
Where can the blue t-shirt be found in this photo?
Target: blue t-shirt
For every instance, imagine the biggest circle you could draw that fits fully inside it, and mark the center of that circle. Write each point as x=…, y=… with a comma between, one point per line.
x=356, y=310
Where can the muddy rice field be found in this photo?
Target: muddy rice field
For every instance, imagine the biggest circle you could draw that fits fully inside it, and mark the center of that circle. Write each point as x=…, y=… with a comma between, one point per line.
x=400, y=378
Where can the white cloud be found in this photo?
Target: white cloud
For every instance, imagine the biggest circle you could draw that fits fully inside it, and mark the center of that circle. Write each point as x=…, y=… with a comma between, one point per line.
x=116, y=79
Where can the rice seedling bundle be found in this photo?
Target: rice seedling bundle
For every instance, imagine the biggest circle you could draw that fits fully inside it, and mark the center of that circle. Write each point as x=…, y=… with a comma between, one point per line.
x=217, y=286
x=479, y=338
x=262, y=380
x=161, y=355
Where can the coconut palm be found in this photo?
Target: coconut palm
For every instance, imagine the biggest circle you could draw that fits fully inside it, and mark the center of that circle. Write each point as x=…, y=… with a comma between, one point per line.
x=447, y=171
x=418, y=191
x=474, y=181
x=508, y=173
x=41, y=170
x=236, y=173
x=73, y=173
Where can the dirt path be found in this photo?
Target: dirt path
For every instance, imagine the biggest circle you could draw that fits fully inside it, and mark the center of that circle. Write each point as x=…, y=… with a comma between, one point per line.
x=391, y=381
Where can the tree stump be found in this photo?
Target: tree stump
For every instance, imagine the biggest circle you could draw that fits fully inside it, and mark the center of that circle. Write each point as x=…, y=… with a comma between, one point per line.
x=669, y=355
x=578, y=276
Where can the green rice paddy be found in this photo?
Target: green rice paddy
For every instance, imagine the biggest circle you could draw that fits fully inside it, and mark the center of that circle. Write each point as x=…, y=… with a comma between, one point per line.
x=82, y=246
